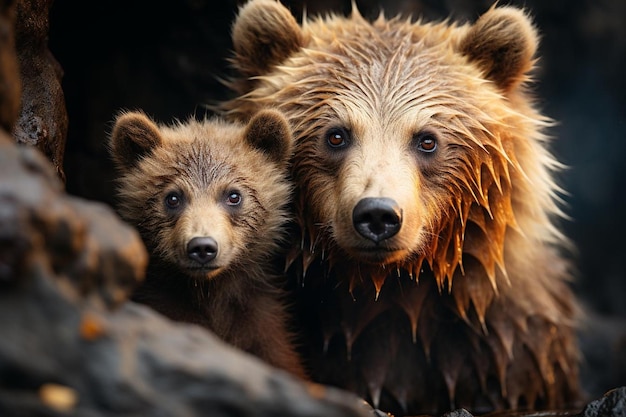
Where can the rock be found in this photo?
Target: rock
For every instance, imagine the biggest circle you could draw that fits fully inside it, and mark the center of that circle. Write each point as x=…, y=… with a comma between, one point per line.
x=10, y=87
x=612, y=404
x=43, y=119
x=461, y=412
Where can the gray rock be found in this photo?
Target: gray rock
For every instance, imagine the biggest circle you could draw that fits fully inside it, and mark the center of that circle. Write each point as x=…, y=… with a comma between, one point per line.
x=612, y=404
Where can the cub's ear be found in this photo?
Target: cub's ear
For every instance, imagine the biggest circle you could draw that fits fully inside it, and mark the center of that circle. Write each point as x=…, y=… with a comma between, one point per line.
x=264, y=34
x=502, y=43
x=134, y=135
x=269, y=131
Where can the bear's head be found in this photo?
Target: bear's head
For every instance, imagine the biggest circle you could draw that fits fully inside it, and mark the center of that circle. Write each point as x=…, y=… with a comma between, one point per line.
x=206, y=196
x=413, y=141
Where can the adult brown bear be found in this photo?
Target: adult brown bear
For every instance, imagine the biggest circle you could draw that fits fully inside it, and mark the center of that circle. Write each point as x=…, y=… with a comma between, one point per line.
x=431, y=271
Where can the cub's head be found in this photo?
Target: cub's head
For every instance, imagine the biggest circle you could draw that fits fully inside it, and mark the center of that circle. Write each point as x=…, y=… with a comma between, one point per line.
x=206, y=195
x=407, y=134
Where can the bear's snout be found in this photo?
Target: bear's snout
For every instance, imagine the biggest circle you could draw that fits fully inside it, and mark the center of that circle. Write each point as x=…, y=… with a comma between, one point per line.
x=202, y=249
x=377, y=219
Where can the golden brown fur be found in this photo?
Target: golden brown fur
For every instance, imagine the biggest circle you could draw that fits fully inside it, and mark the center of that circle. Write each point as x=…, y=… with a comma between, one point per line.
x=225, y=185
x=466, y=301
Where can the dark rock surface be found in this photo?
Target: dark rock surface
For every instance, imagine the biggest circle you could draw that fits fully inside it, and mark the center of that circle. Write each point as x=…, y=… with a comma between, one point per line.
x=612, y=404
x=43, y=116
x=10, y=85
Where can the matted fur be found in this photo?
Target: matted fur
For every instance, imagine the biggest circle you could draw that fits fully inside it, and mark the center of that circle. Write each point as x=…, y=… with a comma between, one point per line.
x=207, y=164
x=468, y=305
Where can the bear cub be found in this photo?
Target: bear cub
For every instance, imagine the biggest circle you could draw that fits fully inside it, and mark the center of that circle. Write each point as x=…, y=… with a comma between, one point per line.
x=210, y=199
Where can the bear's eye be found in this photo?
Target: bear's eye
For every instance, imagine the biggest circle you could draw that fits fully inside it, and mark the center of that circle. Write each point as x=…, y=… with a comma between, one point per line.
x=337, y=138
x=233, y=199
x=173, y=200
x=426, y=142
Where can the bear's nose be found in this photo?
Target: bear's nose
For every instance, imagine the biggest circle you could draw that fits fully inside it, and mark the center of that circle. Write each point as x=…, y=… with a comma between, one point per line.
x=202, y=249
x=377, y=219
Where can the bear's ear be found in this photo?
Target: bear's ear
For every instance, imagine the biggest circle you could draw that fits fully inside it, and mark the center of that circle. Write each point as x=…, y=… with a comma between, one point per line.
x=502, y=43
x=269, y=132
x=264, y=34
x=134, y=135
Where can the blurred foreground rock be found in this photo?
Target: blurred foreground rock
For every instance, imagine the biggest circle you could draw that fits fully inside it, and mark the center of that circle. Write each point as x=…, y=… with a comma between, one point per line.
x=72, y=345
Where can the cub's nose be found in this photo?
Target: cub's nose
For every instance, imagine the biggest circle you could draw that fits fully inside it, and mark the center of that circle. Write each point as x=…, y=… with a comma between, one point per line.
x=377, y=219
x=202, y=249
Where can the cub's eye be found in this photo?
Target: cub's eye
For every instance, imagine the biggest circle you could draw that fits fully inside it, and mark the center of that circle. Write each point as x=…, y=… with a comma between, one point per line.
x=233, y=199
x=426, y=142
x=173, y=200
x=337, y=138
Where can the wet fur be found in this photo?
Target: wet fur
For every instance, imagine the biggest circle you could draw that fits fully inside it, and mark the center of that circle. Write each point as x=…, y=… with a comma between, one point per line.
x=469, y=305
x=204, y=162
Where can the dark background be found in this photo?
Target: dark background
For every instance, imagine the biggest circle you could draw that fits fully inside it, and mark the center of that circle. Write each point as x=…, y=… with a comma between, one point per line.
x=164, y=58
